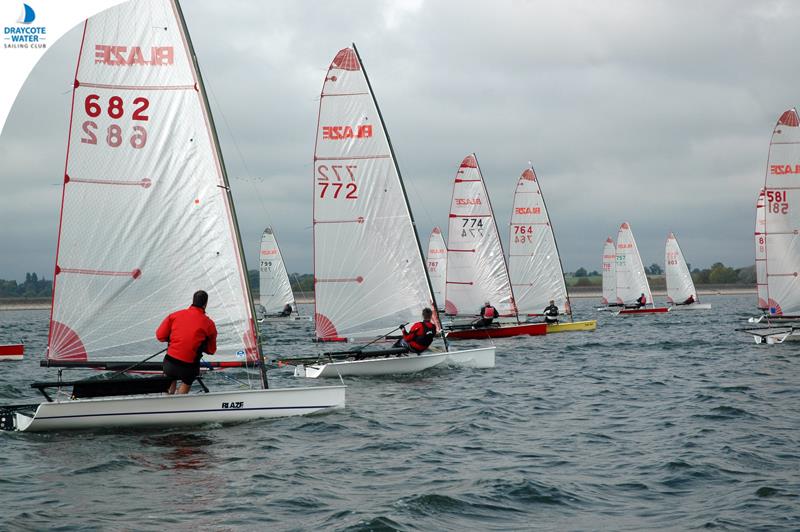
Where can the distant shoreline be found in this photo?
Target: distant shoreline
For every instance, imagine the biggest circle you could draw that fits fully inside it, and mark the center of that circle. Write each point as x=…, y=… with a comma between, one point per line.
x=574, y=292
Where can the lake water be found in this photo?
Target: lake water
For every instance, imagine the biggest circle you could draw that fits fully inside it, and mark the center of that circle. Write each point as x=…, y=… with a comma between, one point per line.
x=666, y=421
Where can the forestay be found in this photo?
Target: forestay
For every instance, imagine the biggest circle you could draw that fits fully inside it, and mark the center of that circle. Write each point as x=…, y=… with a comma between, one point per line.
x=274, y=288
x=369, y=271
x=761, y=254
x=534, y=265
x=631, y=277
x=146, y=215
x=609, y=272
x=437, y=264
x=679, y=281
x=782, y=217
x=476, y=265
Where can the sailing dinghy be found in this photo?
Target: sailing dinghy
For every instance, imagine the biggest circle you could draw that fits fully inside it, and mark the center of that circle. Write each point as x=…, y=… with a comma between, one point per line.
x=476, y=266
x=147, y=218
x=777, y=246
x=681, y=293
x=11, y=352
x=534, y=265
x=631, y=277
x=437, y=264
x=369, y=271
x=609, y=279
x=274, y=288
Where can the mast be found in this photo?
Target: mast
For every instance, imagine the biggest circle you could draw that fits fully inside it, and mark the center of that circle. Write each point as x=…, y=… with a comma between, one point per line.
x=405, y=196
x=499, y=240
x=237, y=234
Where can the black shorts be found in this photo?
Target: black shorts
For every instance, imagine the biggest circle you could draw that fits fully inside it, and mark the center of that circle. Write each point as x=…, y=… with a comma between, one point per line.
x=181, y=371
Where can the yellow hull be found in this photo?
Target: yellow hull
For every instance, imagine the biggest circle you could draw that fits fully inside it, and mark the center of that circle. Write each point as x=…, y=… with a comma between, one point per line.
x=589, y=325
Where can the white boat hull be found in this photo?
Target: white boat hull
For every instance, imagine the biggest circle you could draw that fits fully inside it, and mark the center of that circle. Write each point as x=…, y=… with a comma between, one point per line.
x=774, y=335
x=693, y=306
x=173, y=410
x=398, y=365
x=10, y=358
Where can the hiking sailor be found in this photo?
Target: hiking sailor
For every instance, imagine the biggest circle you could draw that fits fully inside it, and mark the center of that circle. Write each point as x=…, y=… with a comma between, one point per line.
x=640, y=301
x=488, y=314
x=189, y=333
x=551, y=313
x=421, y=335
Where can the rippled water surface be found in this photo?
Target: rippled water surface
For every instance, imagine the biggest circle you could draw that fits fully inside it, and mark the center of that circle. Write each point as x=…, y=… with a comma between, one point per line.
x=669, y=421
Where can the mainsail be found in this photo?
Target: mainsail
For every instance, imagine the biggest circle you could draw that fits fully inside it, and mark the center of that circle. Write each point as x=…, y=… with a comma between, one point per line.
x=274, y=288
x=782, y=217
x=679, y=281
x=369, y=272
x=631, y=277
x=761, y=254
x=534, y=265
x=437, y=264
x=146, y=215
x=609, y=272
x=476, y=265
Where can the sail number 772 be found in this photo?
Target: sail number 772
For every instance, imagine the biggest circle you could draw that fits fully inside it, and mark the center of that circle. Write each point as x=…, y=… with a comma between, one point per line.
x=337, y=181
x=777, y=202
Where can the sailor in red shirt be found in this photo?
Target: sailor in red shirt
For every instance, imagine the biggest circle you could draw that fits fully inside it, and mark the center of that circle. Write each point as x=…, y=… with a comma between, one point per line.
x=190, y=333
x=421, y=335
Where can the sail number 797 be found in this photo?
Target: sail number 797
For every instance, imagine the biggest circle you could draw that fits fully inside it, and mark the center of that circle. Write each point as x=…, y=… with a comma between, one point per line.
x=115, y=108
x=337, y=181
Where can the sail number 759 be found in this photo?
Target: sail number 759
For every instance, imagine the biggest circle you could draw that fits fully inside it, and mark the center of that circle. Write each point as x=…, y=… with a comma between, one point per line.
x=337, y=181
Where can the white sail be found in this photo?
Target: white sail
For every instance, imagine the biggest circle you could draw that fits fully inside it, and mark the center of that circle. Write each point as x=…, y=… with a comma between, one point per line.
x=437, y=264
x=274, y=288
x=679, y=281
x=146, y=215
x=761, y=254
x=631, y=277
x=609, y=272
x=476, y=265
x=533, y=262
x=369, y=271
x=782, y=217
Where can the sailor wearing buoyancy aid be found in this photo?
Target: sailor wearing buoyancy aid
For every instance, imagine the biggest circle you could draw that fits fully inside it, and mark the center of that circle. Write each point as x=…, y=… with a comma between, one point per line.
x=488, y=314
x=421, y=335
x=551, y=313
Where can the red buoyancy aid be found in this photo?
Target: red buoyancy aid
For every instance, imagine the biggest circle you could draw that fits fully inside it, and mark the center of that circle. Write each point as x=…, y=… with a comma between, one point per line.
x=642, y=300
x=421, y=336
x=489, y=312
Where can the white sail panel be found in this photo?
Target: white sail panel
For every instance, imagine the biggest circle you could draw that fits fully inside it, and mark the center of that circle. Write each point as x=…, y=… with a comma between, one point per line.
x=437, y=264
x=609, y=272
x=631, y=277
x=369, y=272
x=679, y=281
x=782, y=217
x=761, y=254
x=533, y=262
x=476, y=266
x=146, y=218
x=274, y=288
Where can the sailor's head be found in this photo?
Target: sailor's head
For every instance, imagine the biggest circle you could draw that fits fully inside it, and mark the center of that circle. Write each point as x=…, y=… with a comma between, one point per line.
x=200, y=299
x=486, y=303
x=552, y=301
x=427, y=314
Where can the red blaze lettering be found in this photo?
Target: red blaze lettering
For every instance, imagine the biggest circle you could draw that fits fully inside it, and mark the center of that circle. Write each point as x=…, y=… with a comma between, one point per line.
x=114, y=55
x=527, y=210
x=346, y=132
x=783, y=169
x=468, y=201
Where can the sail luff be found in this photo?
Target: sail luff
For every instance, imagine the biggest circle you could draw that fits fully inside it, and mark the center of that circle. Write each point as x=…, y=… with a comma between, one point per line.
x=235, y=232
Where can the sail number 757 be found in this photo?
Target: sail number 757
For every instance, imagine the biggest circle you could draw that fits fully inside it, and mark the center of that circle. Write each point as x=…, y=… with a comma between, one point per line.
x=777, y=202
x=337, y=181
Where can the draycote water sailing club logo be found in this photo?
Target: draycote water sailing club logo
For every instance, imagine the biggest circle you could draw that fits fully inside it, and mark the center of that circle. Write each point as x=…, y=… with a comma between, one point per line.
x=24, y=34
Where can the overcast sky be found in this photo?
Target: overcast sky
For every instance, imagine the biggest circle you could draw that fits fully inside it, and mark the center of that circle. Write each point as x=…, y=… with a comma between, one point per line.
x=658, y=113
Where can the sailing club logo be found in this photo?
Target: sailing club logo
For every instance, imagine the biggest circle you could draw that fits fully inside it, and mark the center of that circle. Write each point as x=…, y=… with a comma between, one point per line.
x=24, y=35
x=115, y=55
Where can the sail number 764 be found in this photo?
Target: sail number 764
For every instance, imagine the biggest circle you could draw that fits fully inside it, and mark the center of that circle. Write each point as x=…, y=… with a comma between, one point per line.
x=337, y=181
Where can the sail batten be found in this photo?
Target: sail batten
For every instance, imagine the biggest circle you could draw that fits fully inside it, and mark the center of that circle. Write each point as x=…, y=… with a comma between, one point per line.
x=631, y=277
x=534, y=264
x=680, y=286
x=369, y=271
x=476, y=266
x=146, y=216
x=781, y=216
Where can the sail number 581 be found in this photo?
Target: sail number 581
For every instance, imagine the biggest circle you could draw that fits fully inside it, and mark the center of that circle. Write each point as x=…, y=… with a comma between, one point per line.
x=777, y=202
x=337, y=181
